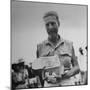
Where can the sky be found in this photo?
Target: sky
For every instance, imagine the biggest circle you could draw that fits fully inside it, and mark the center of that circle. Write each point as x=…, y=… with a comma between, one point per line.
x=28, y=29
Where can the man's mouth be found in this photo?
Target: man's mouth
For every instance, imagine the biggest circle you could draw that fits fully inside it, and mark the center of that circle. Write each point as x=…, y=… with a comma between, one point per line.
x=52, y=31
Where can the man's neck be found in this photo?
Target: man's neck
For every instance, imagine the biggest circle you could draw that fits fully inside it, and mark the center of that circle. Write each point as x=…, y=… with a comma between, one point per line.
x=54, y=40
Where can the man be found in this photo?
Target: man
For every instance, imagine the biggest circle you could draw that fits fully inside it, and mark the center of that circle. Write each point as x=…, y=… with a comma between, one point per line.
x=19, y=75
x=56, y=45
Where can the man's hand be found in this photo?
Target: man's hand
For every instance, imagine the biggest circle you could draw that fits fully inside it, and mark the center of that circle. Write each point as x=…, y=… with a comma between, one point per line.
x=71, y=72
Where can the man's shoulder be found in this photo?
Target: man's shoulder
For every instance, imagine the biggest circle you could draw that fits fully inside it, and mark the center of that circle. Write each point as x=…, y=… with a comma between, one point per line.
x=43, y=43
x=68, y=42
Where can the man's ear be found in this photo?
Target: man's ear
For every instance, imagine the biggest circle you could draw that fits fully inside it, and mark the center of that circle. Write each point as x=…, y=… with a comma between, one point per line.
x=58, y=23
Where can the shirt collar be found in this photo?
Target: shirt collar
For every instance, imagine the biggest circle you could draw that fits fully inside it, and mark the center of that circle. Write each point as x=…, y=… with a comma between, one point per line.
x=60, y=42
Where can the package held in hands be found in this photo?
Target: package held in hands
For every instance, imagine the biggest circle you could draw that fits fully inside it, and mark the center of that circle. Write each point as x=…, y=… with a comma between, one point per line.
x=51, y=64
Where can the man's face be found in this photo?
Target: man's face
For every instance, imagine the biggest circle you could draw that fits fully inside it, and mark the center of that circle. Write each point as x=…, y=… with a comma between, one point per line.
x=51, y=25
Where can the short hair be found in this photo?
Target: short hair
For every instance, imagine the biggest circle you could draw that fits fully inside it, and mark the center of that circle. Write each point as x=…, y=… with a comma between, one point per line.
x=52, y=13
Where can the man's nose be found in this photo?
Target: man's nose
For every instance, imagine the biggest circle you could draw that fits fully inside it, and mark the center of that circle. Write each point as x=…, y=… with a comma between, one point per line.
x=50, y=25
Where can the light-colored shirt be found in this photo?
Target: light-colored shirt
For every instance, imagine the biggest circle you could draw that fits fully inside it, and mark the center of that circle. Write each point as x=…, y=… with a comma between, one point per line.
x=64, y=49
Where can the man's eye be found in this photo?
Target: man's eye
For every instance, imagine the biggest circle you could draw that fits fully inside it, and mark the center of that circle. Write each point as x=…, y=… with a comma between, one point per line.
x=52, y=23
x=47, y=24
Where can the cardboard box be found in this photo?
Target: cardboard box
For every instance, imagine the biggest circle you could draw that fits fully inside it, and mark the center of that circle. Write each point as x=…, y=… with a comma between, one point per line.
x=51, y=64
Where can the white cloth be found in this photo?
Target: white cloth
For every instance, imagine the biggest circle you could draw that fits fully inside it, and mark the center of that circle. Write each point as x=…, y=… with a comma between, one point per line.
x=82, y=60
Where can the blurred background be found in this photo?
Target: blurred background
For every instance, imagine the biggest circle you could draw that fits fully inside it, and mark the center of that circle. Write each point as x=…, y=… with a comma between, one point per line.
x=27, y=27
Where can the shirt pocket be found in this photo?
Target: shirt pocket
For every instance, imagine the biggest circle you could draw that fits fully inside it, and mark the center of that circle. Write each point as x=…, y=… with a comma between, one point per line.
x=46, y=51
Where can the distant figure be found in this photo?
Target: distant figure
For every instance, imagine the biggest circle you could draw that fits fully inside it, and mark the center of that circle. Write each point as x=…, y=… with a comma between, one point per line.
x=86, y=72
x=81, y=51
x=86, y=48
x=19, y=75
x=31, y=71
x=83, y=64
x=34, y=80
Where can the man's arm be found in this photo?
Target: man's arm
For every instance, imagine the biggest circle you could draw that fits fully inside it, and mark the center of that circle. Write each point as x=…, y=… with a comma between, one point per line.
x=75, y=67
